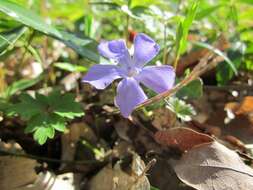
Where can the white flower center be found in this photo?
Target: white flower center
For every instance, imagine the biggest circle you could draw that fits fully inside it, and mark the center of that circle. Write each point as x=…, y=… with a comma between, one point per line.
x=132, y=72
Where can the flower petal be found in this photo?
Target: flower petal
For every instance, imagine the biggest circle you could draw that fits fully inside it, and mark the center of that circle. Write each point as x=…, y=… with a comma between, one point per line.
x=129, y=95
x=145, y=49
x=100, y=76
x=117, y=50
x=158, y=78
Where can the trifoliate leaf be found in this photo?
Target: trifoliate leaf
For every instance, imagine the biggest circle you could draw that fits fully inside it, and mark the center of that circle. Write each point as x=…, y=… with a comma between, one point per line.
x=180, y=108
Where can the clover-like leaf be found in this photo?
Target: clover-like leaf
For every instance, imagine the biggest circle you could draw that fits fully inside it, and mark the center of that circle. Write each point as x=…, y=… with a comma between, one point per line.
x=183, y=110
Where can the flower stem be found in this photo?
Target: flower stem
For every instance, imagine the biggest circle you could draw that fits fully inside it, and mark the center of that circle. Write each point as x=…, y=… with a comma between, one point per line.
x=176, y=62
x=164, y=44
x=126, y=30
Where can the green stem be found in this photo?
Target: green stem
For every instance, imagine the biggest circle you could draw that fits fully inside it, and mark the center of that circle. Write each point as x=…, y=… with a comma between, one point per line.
x=176, y=62
x=164, y=45
x=126, y=30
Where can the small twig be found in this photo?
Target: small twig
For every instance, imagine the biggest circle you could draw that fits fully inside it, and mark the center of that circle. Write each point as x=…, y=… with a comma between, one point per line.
x=201, y=68
x=41, y=158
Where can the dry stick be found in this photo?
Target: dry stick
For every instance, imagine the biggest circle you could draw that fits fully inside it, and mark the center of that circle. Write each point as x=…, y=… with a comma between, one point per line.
x=201, y=68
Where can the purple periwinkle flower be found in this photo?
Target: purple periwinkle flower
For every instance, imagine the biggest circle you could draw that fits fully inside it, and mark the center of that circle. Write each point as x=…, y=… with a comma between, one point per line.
x=132, y=71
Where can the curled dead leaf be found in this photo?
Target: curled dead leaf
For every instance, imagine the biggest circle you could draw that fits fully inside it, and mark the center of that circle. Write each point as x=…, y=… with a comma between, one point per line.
x=182, y=138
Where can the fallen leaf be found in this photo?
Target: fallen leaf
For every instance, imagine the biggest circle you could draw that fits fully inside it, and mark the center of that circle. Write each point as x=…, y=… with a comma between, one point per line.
x=115, y=178
x=212, y=166
x=246, y=106
x=182, y=138
x=15, y=172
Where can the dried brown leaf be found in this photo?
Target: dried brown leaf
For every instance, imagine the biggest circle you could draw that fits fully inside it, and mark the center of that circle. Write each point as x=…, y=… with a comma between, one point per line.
x=212, y=166
x=246, y=106
x=114, y=178
x=182, y=138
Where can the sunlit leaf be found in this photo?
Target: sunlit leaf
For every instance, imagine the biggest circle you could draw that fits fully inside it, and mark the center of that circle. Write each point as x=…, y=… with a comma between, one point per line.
x=27, y=17
x=21, y=85
x=31, y=19
x=70, y=67
x=184, y=27
x=9, y=38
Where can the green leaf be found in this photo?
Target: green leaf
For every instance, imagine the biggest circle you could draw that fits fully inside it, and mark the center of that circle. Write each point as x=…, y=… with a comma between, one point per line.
x=69, y=109
x=208, y=11
x=88, y=20
x=247, y=1
x=42, y=133
x=218, y=52
x=184, y=27
x=180, y=108
x=4, y=105
x=9, y=38
x=153, y=188
x=193, y=90
x=27, y=17
x=21, y=85
x=46, y=120
x=224, y=72
x=86, y=47
x=27, y=107
x=70, y=67
x=31, y=19
x=59, y=124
